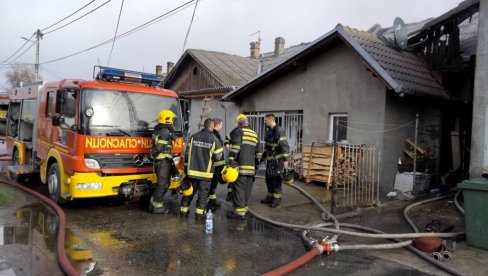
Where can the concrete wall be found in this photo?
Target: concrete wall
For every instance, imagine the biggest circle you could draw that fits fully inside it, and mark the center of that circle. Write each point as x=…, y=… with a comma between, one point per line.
x=334, y=82
x=338, y=82
x=399, y=111
x=479, y=138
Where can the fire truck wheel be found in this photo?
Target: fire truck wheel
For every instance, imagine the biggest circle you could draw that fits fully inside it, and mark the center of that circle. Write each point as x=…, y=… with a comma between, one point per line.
x=54, y=184
x=15, y=157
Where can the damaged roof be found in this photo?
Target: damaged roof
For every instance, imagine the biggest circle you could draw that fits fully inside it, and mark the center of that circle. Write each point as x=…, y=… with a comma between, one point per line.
x=402, y=71
x=229, y=70
x=409, y=71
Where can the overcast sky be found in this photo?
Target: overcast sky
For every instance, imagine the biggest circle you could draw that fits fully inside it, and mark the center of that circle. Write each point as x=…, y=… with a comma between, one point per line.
x=219, y=25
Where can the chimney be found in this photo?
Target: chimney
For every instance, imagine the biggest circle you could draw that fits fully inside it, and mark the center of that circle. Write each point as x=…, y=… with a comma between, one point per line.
x=279, y=46
x=169, y=67
x=159, y=70
x=255, y=48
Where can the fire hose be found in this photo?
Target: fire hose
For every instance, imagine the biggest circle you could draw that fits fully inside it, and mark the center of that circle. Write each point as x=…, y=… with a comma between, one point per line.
x=328, y=246
x=62, y=259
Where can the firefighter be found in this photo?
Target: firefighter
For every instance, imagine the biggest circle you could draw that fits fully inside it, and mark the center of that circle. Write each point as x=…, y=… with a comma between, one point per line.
x=213, y=203
x=243, y=155
x=163, y=160
x=276, y=153
x=203, y=151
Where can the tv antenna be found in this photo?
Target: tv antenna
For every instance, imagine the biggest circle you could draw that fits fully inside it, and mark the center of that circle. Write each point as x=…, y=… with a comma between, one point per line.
x=259, y=35
x=400, y=33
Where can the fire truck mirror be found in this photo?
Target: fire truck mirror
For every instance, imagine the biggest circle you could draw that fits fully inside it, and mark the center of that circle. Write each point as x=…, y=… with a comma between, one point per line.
x=61, y=95
x=57, y=120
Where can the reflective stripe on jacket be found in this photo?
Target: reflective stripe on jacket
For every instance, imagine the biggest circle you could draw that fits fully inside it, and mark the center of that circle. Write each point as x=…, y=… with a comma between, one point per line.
x=203, y=151
x=163, y=141
x=243, y=149
x=276, y=146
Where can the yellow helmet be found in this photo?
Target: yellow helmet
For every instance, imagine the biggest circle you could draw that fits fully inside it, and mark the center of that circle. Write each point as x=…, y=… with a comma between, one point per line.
x=166, y=117
x=240, y=117
x=188, y=192
x=230, y=174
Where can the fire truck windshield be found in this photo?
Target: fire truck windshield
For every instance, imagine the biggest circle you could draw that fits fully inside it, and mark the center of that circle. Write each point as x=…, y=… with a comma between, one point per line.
x=127, y=111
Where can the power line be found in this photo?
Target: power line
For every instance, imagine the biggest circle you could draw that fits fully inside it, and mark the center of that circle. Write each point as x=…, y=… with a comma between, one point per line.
x=136, y=29
x=11, y=62
x=27, y=40
x=189, y=27
x=71, y=22
x=6, y=60
x=115, y=35
x=68, y=15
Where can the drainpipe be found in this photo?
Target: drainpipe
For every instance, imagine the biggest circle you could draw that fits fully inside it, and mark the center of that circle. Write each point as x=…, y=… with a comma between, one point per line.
x=479, y=132
x=225, y=117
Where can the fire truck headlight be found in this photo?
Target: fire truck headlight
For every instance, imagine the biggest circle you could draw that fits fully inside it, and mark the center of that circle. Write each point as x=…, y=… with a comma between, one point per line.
x=176, y=160
x=89, y=186
x=92, y=163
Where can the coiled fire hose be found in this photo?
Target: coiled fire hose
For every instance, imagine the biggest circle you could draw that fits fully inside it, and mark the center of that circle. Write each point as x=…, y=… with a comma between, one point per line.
x=329, y=245
x=62, y=259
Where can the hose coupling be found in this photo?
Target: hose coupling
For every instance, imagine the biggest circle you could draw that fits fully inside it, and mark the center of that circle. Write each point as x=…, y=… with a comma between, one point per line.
x=329, y=246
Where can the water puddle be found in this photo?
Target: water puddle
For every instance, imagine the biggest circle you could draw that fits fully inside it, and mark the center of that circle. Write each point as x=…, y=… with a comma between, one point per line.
x=28, y=244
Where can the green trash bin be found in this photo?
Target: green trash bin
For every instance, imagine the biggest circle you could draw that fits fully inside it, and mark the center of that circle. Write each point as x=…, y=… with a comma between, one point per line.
x=475, y=193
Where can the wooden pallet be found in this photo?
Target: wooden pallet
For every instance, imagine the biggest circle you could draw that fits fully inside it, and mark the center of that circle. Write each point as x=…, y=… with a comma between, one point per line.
x=317, y=163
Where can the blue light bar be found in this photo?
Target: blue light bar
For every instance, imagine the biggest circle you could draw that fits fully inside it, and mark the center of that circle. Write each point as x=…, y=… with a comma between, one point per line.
x=113, y=74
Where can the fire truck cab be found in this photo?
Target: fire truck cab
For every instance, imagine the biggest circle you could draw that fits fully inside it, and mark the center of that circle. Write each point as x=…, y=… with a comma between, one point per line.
x=91, y=138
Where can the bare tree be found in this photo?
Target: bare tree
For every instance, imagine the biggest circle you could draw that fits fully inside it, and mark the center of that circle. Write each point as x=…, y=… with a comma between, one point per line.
x=19, y=73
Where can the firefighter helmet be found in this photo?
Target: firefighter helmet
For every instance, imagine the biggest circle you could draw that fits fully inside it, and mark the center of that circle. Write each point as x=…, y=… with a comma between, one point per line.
x=288, y=176
x=166, y=117
x=230, y=174
x=188, y=192
x=240, y=117
x=185, y=188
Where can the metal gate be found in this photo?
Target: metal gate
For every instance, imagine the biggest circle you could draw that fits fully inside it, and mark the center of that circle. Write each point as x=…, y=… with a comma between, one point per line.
x=356, y=175
x=292, y=123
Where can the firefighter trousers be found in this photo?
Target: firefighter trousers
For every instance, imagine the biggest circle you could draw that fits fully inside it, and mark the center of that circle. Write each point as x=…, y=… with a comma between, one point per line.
x=273, y=178
x=201, y=187
x=162, y=169
x=214, y=183
x=273, y=183
x=242, y=192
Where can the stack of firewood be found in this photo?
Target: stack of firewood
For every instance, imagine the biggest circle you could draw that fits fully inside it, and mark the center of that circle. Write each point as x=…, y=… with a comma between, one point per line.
x=318, y=164
x=347, y=165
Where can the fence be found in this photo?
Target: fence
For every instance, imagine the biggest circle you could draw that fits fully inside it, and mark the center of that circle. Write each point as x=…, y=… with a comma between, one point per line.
x=292, y=123
x=356, y=175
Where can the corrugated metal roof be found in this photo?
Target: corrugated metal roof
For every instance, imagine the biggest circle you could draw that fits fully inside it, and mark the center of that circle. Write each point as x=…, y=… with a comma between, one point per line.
x=230, y=70
x=410, y=71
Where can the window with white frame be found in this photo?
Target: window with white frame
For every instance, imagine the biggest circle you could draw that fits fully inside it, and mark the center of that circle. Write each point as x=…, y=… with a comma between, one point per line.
x=338, y=127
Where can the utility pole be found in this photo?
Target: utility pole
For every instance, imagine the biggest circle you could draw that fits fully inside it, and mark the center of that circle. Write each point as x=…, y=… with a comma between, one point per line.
x=36, y=66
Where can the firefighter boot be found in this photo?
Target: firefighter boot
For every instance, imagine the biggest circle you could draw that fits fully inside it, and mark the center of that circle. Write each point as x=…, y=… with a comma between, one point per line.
x=213, y=205
x=157, y=207
x=268, y=199
x=200, y=214
x=275, y=201
x=184, y=211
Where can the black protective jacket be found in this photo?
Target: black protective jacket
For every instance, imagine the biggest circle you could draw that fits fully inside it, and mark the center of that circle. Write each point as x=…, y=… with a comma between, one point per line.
x=203, y=151
x=276, y=147
x=163, y=138
x=220, y=163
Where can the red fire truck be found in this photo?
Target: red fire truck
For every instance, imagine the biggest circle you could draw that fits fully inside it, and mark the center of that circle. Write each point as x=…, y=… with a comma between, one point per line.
x=91, y=138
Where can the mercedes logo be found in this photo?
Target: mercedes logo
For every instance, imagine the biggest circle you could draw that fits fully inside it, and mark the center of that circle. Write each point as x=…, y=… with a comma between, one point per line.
x=138, y=160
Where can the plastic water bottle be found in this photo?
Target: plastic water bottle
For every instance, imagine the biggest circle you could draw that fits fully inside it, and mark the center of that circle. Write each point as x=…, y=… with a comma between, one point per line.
x=209, y=222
